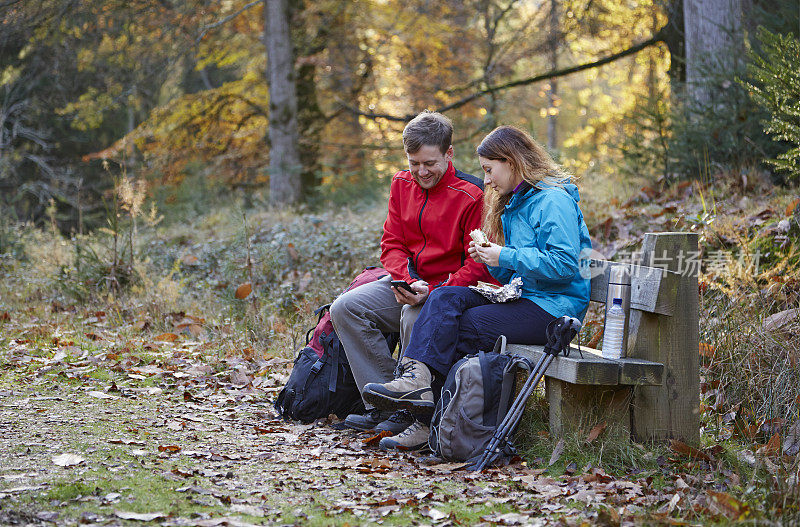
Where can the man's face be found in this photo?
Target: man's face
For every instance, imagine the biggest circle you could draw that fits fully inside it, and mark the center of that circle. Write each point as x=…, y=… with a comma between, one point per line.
x=428, y=165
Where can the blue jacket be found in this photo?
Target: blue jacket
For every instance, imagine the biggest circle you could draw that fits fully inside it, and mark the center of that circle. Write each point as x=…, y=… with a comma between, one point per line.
x=544, y=236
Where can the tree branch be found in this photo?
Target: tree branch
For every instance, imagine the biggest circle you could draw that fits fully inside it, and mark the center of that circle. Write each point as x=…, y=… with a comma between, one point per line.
x=227, y=19
x=658, y=37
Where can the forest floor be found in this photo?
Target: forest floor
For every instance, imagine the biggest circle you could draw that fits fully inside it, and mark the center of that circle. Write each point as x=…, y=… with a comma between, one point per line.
x=94, y=439
x=100, y=427
x=152, y=405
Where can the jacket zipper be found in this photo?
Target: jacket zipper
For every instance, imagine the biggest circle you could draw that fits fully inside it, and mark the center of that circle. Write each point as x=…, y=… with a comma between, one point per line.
x=424, y=239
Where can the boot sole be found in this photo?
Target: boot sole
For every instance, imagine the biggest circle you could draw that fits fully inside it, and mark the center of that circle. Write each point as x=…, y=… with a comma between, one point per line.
x=387, y=402
x=399, y=448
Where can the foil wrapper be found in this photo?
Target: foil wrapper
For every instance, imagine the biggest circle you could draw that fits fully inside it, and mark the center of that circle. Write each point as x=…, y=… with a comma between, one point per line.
x=498, y=295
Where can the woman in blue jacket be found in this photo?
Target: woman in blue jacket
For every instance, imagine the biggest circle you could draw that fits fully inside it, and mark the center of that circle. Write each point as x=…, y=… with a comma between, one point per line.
x=538, y=234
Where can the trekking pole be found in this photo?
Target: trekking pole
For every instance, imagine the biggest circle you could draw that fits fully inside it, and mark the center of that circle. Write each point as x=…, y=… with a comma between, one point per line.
x=559, y=334
x=494, y=448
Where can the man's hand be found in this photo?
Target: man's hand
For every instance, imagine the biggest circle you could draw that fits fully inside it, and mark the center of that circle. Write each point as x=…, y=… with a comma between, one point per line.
x=404, y=297
x=482, y=254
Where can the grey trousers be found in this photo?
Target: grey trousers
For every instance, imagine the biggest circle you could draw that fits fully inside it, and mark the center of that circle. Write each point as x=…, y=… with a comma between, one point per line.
x=360, y=317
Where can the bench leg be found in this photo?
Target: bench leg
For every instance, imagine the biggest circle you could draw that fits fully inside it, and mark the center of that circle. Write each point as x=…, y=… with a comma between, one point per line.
x=575, y=407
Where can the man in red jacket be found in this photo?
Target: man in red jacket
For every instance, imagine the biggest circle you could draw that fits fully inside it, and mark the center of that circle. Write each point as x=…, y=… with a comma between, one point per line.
x=432, y=209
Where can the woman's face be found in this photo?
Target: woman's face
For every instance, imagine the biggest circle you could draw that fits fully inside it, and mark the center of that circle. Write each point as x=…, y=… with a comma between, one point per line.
x=499, y=175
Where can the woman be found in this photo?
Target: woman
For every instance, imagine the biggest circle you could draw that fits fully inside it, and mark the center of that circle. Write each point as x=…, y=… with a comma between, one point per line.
x=532, y=216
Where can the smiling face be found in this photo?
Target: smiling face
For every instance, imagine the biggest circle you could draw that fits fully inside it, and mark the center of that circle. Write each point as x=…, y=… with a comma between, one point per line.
x=499, y=175
x=428, y=165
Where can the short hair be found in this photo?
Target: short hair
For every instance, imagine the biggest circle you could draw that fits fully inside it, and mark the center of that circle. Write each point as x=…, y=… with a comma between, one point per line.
x=428, y=128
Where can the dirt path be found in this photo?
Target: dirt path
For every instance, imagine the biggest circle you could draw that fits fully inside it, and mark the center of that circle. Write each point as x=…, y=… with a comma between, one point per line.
x=192, y=446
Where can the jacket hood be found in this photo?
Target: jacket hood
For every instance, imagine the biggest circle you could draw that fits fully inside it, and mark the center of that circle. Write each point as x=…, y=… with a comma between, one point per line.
x=535, y=193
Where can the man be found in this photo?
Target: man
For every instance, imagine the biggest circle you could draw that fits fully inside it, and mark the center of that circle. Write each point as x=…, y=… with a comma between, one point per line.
x=432, y=209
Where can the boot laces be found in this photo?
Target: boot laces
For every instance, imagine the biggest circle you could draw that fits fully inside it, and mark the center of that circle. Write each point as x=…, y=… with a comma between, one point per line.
x=407, y=369
x=400, y=417
x=412, y=429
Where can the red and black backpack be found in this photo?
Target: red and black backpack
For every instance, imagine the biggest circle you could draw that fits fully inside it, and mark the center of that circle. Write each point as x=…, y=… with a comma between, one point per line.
x=321, y=382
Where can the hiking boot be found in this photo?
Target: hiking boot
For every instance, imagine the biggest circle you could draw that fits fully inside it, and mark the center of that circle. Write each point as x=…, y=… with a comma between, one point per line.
x=366, y=422
x=396, y=423
x=415, y=437
x=411, y=390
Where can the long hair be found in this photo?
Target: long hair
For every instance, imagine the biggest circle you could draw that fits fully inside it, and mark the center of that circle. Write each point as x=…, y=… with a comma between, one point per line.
x=527, y=158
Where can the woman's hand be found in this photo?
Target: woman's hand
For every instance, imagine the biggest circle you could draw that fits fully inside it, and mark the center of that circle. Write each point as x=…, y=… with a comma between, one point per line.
x=489, y=255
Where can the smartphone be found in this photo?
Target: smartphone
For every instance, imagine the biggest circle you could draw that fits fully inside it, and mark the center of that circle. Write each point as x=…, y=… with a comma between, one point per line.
x=402, y=284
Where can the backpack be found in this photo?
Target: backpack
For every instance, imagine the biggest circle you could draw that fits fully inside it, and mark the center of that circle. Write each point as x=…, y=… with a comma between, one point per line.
x=321, y=382
x=475, y=399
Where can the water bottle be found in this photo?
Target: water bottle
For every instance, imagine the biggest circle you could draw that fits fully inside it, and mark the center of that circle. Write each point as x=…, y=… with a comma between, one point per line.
x=614, y=331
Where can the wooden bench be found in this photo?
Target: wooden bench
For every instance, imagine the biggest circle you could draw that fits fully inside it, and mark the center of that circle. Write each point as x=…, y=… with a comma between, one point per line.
x=654, y=392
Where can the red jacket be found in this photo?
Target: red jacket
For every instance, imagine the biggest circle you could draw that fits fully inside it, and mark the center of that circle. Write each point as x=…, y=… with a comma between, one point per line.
x=426, y=233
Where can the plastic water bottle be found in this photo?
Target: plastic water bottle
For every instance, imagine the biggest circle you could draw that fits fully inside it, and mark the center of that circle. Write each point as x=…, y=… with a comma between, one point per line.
x=614, y=331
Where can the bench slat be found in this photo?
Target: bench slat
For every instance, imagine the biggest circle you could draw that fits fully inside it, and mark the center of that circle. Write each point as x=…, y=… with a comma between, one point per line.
x=593, y=369
x=653, y=290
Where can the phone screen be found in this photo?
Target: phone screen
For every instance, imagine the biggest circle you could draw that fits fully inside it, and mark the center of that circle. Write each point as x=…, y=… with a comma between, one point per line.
x=403, y=285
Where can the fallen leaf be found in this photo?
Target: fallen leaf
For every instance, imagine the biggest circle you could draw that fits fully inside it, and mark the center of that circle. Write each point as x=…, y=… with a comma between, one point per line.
x=772, y=447
x=4, y=316
x=673, y=503
x=791, y=445
x=374, y=440
x=780, y=319
x=167, y=337
x=190, y=329
x=689, y=451
x=292, y=251
x=243, y=291
x=48, y=516
x=145, y=517
x=250, y=510
x=792, y=206
x=434, y=514
x=557, y=451
x=169, y=448
x=68, y=460
x=595, y=432
x=101, y=395
x=729, y=506
x=126, y=442
x=239, y=378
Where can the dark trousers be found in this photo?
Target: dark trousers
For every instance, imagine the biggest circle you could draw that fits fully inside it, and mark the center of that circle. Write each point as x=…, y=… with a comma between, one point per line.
x=457, y=321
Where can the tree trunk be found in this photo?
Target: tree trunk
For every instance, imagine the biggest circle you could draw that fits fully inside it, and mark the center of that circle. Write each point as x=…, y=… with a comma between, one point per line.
x=713, y=45
x=284, y=158
x=674, y=33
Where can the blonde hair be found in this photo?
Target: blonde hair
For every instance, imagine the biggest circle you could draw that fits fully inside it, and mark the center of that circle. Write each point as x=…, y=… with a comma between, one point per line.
x=527, y=158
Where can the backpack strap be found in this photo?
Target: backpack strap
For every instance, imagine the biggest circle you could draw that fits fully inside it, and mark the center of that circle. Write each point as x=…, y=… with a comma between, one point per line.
x=489, y=389
x=332, y=348
x=509, y=380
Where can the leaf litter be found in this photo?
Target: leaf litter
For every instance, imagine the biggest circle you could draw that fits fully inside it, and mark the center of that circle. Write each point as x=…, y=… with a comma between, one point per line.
x=204, y=426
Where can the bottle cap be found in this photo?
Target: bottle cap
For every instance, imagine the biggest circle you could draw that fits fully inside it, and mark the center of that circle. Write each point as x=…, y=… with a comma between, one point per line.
x=617, y=302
